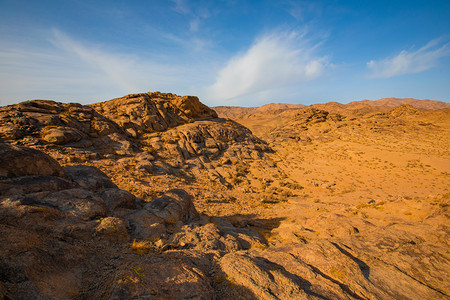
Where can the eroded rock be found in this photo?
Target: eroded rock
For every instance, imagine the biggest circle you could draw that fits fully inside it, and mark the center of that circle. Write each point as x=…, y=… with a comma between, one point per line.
x=113, y=229
x=77, y=202
x=18, y=161
x=115, y=198
x=89, y=177
x=144, y=113
x=174, y=206
x=166, y=276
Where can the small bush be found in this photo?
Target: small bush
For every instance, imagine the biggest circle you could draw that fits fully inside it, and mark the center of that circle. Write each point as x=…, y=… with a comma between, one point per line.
x=141, y=247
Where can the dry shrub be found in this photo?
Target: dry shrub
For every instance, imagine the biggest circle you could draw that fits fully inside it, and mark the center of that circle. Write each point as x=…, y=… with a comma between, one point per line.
x=141, y=247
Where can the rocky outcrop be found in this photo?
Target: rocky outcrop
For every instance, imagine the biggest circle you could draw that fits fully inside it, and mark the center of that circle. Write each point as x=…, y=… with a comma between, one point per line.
x=404, y=109
x=145, y=113
x=48, y=123
x=174, y=205
x=164, y=133
x=64, y=229
x=102, y=125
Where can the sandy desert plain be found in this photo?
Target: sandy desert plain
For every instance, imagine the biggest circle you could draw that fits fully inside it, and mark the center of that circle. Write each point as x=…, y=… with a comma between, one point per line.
x=157, y=196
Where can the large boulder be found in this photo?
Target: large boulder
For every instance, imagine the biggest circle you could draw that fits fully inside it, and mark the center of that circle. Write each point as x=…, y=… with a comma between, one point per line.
x=115, y=199
x=112, y=229
x=89, y=177
x=174, y=206
x=16, y=161
x=77, y=202
x=61, y=135
x=166, y=276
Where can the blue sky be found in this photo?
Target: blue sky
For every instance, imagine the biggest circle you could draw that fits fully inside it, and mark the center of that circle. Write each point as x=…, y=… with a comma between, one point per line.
x=245, y=53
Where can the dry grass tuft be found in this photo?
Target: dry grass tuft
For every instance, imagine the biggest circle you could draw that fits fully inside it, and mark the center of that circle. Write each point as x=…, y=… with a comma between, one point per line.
x=141, y=247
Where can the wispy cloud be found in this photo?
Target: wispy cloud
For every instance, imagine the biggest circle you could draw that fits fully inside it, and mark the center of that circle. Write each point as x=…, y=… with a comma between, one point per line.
x=194, y=24
x=275, y=60
x=30, y=70
x=408, y=62
x=302, y=10
x=196, y=12
x=181, y=7
x=66, y=68
x=114, y=67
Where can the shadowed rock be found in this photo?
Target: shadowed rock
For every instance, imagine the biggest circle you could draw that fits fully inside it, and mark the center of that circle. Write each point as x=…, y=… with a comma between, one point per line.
x=115, y=198
x=77, y=202
x=33, y=184
x=89, y=177
x=18, y=161
x=112, y=229
x=175, y=205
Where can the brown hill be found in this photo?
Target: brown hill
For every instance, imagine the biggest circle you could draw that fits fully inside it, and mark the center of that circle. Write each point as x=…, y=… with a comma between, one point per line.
x=235, y=111
x=279, y=106
x=394, y=102
x=352, y=108
x=153, y=196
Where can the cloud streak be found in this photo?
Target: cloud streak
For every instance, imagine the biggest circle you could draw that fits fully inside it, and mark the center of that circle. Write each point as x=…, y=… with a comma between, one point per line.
x=181, y=7
x=65, y=68
x=275, y=60
x=197, y=13
x=115, y=67
x=406, y=62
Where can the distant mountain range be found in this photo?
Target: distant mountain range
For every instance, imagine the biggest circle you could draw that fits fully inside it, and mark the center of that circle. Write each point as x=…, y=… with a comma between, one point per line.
x=362, y=107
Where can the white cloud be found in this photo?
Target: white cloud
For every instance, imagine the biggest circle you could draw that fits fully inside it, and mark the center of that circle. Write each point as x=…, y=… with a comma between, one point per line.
x=410, y=62
x=275, y=60
x=115, y=67
x=69, y=70
x=30, y=71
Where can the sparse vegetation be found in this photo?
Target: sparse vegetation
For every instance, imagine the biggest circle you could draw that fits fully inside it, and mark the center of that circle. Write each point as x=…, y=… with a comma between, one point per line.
x=141, y=247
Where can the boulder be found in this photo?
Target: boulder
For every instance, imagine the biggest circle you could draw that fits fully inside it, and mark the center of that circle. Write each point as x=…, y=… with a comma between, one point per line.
x=89, y=177
x=18, y=161
x=112, y=229
x=175, y=205
x=146, y=226
x=115, y=198
x=77, y=202
x=166, y=276
x=61, y=135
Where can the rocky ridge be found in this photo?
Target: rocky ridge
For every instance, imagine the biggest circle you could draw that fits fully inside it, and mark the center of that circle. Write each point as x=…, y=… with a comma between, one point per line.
x=154, y=133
